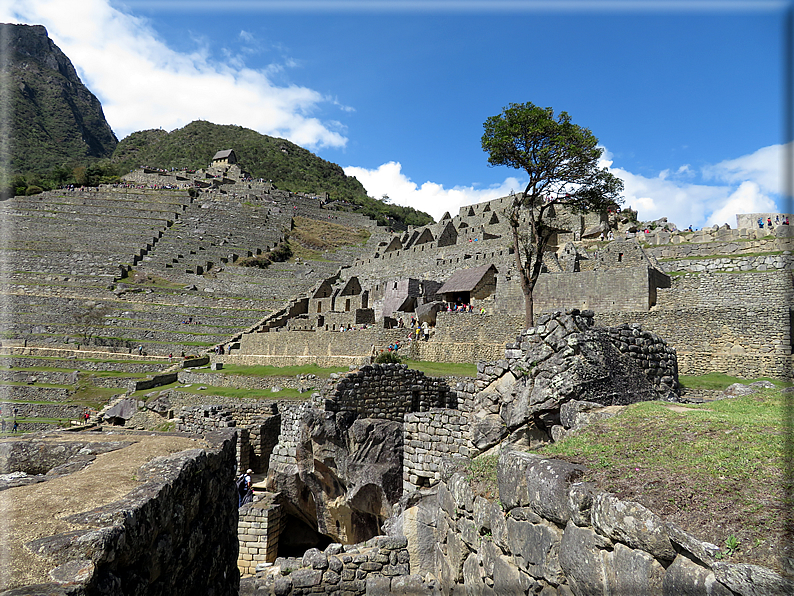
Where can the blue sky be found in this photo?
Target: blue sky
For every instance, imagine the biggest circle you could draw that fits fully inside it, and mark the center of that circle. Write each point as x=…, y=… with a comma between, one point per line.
x=685, y=97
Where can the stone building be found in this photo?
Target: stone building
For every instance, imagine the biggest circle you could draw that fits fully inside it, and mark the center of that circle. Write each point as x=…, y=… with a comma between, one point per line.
x=225, y=157
x=467, y=286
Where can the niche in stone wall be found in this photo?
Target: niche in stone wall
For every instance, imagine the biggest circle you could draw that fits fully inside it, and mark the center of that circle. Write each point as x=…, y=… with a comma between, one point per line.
x=297, y=537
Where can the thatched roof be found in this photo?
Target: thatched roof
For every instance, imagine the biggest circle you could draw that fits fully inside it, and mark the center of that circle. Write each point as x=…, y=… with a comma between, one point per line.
x=465, y=280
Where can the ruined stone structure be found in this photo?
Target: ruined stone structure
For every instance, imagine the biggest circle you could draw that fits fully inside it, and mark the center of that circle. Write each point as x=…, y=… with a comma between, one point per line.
x=343, y=459
x=638, y=277
x=175, y=533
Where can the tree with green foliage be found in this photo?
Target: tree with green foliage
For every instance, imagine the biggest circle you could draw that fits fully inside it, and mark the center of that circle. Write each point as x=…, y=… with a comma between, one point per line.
x=561, y=159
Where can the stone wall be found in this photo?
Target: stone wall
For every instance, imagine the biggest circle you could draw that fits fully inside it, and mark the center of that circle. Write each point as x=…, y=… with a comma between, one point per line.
x=259, y=429
x=429, y=437
x=354, y=570
x=175, y=534
x=303, y=382
x=731, y=265
x=468, y=337
x=551, y=534
x=388, y=391
x=325, y=348
x=258, y=529
x=283, y=453
x=626, y=289
x=739, y=324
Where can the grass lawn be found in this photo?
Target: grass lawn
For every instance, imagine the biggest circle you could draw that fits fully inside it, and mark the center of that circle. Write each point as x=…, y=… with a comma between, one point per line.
x=720, y=381
x=275, y=371
x=716, y=469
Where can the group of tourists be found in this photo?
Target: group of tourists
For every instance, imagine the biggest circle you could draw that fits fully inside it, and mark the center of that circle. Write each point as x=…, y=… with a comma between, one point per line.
x=780, y=220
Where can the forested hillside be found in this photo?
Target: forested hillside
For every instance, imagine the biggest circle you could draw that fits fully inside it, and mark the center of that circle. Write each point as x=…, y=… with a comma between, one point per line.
x=287, y=165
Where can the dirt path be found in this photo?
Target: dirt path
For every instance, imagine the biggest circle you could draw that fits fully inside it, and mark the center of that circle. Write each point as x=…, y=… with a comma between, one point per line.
x=36, y=511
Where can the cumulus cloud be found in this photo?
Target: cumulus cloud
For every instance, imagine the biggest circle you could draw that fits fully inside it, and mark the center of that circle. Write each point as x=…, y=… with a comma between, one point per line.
x=429, y=197
x=748, y=184
x=143, y=83
x=683, y=195
x=764, y=167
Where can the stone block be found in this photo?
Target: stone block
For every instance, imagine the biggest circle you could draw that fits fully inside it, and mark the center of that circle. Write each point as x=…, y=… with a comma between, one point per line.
x=685, y=577
x=542, y=484
x=635, y=572
x=633, y=524
x=535, y=548
x=751, y=580
x=582, y=560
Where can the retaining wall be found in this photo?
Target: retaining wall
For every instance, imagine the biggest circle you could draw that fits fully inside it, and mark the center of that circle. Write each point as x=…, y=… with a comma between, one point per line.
x=174, y=535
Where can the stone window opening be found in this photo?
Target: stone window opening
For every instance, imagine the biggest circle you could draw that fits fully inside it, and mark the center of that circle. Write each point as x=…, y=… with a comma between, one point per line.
x=620, y=257
x=347, y=305
x=423, y=482
x=415, y=401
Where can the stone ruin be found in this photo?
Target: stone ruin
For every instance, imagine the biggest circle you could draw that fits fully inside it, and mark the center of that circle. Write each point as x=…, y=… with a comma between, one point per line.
x=385, y=430
x=175, y=533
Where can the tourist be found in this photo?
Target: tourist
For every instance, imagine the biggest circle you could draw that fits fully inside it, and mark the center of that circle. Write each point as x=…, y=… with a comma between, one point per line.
x=426, y=330
x=16, y=426
x=4, y=425
x=769, y=221
x=244, y=492
x=785, y=221
x=610, y=236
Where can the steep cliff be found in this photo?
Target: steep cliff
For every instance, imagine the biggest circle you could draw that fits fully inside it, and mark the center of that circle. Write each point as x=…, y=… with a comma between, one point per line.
x=51, y=118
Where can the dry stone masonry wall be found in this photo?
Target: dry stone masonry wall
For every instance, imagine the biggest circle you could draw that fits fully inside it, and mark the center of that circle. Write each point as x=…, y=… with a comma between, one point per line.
x=175, y=534
x=428, y=439
x=388, y=391
x=378, y=566
x=554, y=535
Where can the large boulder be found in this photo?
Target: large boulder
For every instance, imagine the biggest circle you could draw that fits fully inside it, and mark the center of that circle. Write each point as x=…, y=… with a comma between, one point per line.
x=347, y=476
x=563, y=373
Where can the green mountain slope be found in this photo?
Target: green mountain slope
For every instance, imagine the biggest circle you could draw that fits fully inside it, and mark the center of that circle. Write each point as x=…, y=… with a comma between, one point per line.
x=288, y=165
x=54, y=120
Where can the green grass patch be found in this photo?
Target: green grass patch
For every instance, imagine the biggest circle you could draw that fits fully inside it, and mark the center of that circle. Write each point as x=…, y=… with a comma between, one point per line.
x=275, y=371
x=719, y=381
x=319, y=235
x=714, y=469
x=481, y=473
x=443, y=369
x=742, y=437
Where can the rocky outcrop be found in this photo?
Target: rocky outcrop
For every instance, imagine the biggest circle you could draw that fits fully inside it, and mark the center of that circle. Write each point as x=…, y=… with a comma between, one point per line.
x=347, y=476
x=527, y=398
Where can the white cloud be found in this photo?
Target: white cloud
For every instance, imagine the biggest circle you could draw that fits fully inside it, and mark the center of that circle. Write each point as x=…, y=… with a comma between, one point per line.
x=143, y=83
x=765, y=167
x=748, y=198
x=430, y=197
x=741, y=185
x=747, y=184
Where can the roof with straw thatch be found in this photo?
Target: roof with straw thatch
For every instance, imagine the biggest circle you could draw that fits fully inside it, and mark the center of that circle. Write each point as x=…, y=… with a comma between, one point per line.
x=465, y=280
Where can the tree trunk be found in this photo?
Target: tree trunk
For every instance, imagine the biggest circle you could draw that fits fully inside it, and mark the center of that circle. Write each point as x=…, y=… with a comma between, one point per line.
x=529, y=309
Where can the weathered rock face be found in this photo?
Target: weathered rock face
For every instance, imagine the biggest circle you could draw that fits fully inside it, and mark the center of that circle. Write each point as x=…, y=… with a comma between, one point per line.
x=564, y=359
x=348, y=474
